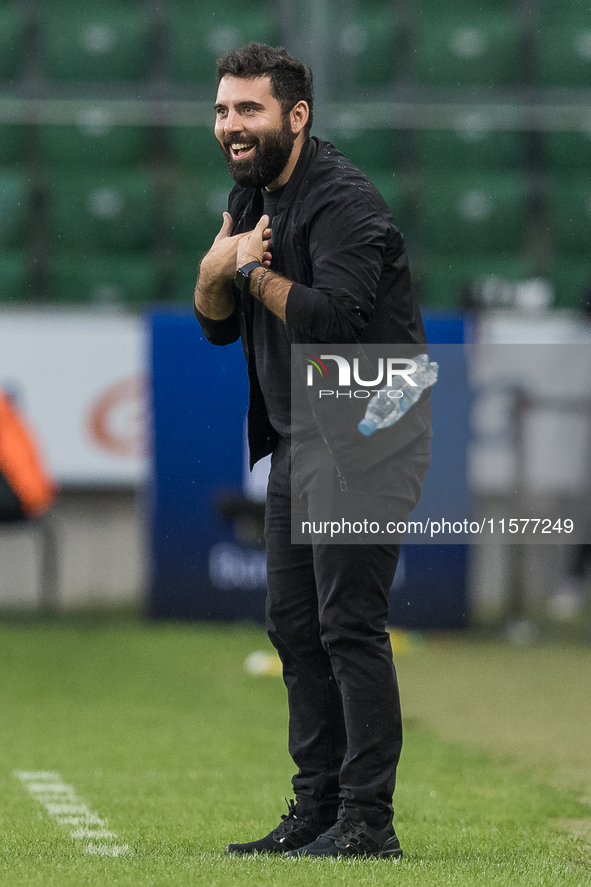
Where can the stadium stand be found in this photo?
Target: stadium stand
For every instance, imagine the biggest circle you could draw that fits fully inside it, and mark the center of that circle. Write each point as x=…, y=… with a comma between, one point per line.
x=113, y=211
x=473, y=212
x=432, y=7
x=103, y=280
x=94, y=142
x=194, y=148
x=471, y=144
x=183, y=275
x=564, y=56
x=14, y=277
x=199, y=33
x=12, y=34
x=12, y=143
x=470, y=47
x=571, y=277
x=563, y=45
x=80, y=176
x=469, y=225
x=443, y=281
x=15, y=192
x=369, y=149
x=393, y=189
x=102, y=233
x=369, y=44
x=569, y=204
x=196, y=208
x=564, y=151
x=95, y=42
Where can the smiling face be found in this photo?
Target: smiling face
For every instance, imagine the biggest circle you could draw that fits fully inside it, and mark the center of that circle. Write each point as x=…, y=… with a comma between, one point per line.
x=261, y=143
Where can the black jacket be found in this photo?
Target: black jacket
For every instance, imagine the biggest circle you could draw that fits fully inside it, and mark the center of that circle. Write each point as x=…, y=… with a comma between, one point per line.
x=334, y=236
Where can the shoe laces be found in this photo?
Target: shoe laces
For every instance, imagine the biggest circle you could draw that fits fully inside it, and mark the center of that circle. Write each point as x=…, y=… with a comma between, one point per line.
x=345, y=828
x=287, y=823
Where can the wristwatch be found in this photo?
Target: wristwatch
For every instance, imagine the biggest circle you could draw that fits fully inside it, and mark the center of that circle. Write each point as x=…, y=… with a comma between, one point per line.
x=241, y=277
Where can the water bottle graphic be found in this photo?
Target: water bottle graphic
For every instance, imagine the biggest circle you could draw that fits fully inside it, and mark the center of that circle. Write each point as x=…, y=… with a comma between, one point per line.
x=384, y=410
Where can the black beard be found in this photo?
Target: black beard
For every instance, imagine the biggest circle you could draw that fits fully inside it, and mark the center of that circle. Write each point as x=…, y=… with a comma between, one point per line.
x=268, y=162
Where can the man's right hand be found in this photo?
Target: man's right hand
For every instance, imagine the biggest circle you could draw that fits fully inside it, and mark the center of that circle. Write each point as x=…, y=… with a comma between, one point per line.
x=213, y=295
x=219, y=263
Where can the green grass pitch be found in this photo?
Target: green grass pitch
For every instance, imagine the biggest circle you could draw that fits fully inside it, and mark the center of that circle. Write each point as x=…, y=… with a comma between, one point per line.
x=175, y=749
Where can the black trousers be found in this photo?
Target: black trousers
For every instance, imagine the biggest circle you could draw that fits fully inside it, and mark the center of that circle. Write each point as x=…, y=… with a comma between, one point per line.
x=327, y=608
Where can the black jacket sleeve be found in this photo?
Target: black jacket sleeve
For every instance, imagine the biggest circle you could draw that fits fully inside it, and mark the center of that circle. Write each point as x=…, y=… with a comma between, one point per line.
x=347, y=242
x=220, y=332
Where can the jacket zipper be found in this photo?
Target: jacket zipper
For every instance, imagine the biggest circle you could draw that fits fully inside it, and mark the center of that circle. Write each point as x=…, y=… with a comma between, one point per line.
x=341, y=476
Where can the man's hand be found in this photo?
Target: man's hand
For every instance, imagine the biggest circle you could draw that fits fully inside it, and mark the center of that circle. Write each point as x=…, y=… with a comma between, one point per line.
x=225, y=255
x=255, y=246
x=219, y=263
x=213, y=295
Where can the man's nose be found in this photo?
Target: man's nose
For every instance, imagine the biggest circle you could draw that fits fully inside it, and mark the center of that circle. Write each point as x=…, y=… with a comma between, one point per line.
x=232, y=123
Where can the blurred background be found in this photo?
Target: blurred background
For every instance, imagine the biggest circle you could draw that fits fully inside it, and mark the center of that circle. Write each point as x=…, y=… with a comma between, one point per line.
x=474, y=120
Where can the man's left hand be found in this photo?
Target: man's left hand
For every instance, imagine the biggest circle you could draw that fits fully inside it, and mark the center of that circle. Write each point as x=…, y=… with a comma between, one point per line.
x=256, y=246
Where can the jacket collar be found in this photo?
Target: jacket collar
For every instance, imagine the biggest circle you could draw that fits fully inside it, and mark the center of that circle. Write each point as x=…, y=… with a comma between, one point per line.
x=307, y=154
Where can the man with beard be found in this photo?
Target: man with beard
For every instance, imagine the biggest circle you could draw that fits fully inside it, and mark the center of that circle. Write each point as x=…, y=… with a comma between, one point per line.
x=309, y=252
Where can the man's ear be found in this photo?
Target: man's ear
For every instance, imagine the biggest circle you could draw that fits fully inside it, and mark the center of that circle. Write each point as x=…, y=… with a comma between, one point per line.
x=299, y=117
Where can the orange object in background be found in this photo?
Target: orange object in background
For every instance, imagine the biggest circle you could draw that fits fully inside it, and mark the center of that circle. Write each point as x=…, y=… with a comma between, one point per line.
x=21, y=465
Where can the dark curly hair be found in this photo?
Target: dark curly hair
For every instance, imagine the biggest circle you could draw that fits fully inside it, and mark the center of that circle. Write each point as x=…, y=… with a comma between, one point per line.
x=291, y=81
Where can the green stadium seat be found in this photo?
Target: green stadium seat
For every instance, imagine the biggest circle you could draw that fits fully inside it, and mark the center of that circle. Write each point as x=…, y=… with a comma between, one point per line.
x=105, y=279
x=551, y=13
x=14, y=277
x=393, y=189
x=15, y=195
x=441, y=280
x=434, y=7
x=473, y=213
x=197, y=149
x=94, y=142
x=11, y=40
x=390, y=185
x=100, y=41
x=102, y=211
x=472, y=48
x=183, y=278
x=564, y=54
x=195, y=216
x=471, y=144
x=565, y=151
x=14, y=142
x=370, y=45
x=549, y=9
x=572, y=281
x=369, y=149
x=198, y=35
x=569, y=213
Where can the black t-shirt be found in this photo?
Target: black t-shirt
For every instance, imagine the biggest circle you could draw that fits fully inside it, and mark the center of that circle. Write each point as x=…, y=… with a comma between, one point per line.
x=272, y=347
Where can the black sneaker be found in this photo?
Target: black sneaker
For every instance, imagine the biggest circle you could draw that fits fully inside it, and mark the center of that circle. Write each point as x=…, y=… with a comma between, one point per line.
x=293, y=831
x=348, y=837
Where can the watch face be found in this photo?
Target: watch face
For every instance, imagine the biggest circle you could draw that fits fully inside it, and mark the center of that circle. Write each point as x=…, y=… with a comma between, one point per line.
x=241, y=278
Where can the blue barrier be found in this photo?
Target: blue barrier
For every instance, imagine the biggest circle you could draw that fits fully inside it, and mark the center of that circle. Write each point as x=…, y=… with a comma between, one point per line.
x=199, y=570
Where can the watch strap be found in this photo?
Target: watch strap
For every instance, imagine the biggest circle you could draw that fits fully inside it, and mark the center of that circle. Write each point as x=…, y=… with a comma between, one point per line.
x=242, y=273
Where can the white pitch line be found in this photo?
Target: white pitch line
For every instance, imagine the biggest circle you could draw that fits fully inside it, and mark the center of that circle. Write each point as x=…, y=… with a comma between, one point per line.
x=63, y=804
